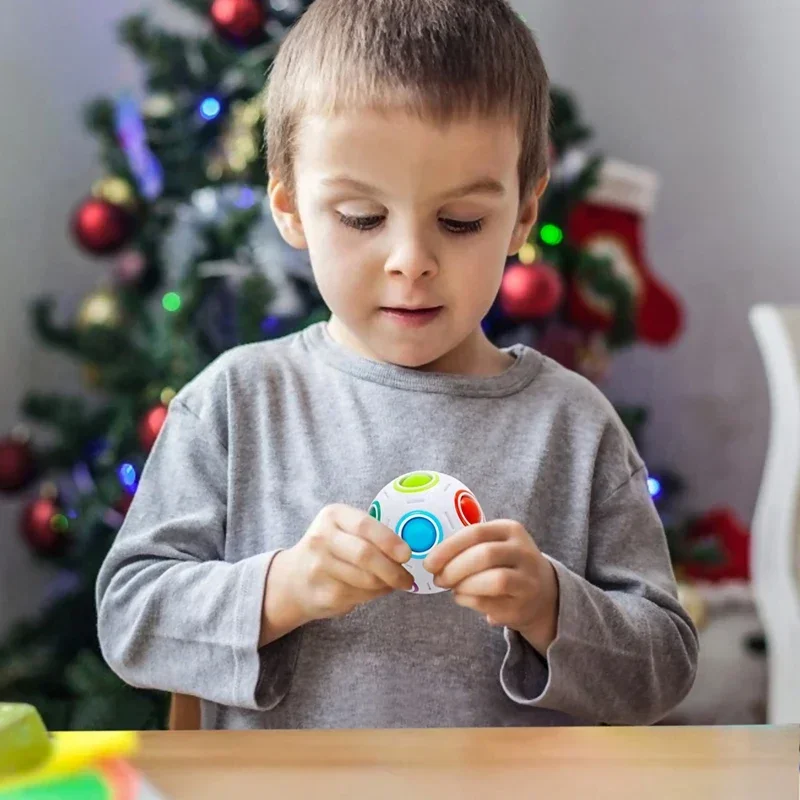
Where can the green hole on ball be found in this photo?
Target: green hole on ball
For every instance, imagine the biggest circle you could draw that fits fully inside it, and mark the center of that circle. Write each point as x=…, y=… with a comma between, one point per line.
x=417, y=480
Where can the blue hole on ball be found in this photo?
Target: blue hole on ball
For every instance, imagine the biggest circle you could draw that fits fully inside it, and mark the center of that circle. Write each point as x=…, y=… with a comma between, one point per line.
x=419, y=534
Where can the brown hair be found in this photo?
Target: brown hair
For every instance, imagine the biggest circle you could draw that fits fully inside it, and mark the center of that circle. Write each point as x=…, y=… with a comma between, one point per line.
x=438, y=59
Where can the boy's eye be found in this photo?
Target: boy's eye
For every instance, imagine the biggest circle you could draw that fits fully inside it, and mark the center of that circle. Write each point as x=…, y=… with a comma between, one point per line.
x=361, y=223
x=370, y=223
x=461, y=226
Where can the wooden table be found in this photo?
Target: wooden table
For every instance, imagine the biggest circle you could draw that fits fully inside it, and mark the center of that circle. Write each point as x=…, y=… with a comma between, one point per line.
x=596, y=763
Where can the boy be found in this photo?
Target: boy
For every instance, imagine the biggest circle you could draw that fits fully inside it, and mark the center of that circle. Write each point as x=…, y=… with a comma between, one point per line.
x=407, y=145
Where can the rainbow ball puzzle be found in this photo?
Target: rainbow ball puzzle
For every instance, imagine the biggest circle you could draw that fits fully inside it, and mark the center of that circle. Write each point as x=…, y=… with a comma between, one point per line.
x=424, y=508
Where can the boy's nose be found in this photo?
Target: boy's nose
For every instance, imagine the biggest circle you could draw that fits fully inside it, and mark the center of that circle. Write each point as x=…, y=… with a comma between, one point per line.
x=412, y=260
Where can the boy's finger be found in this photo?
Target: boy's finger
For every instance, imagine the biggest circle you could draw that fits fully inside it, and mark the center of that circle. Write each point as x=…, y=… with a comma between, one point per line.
x=501, y=582
x=476, y=559
x=494, y=531
x=359, y=523
x=354, y=577
x=365, y=555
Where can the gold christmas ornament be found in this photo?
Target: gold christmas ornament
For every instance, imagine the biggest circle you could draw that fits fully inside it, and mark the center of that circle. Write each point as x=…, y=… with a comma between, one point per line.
x=239, y=141
x=215, y=170
x=117, y=191
x=527, y=254
x=158, y=106
x=101, y=308
x=248, y=112
x=167, y=396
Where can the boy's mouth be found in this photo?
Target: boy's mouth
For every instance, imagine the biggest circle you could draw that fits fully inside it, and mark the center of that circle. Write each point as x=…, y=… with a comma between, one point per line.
x=412, y=317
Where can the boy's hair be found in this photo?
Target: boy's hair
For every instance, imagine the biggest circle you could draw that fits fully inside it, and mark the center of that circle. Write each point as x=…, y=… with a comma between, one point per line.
x=437, y=59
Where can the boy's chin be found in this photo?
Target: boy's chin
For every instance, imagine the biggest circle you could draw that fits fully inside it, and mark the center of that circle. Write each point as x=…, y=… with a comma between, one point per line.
x=423, y=359
x=393, y=349
x=420, y=362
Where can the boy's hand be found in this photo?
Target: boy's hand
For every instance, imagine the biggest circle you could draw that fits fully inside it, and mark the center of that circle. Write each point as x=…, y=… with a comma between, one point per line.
x=496, y=569
x=345, y=558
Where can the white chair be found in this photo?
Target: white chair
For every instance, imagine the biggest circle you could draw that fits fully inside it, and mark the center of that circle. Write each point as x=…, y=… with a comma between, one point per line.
x=775, y=553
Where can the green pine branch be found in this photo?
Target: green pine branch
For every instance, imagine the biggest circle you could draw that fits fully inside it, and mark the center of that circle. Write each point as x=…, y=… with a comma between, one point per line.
x=254, y=296
x=201, y=7
x=567, y=129
x=634, y=418
x=166, y=54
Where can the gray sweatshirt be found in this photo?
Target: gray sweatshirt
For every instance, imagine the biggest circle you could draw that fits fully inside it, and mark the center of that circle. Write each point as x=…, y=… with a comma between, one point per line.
x=270, y=433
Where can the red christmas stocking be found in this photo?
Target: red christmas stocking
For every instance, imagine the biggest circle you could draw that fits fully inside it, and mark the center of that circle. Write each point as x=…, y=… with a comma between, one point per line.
x=610, y=224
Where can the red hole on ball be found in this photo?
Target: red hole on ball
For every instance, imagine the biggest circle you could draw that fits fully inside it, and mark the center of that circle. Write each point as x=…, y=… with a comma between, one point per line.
x=469, y=512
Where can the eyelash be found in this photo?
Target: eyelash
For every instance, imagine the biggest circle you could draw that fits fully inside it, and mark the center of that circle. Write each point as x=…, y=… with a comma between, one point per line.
x=366, y=224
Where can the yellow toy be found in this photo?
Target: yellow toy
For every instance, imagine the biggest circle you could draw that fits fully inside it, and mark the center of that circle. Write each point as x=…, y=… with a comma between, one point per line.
x=30, y=757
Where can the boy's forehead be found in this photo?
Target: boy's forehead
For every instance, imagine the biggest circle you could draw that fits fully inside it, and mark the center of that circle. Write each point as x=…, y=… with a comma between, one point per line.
x=400, y=151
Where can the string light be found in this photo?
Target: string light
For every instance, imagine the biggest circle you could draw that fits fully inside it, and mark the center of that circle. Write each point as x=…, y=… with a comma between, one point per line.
x=171, y=301
x=127, y=475
x=246, y=198
x=270, y=325
x=210, y=109
x=654, y=486
x=527, y=254
x=551, y=234
x=59, y=523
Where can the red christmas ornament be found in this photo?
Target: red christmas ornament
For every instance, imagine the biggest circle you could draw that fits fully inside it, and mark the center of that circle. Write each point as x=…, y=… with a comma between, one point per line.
x=100, y=227
x=44, y=527
x=239, y=21
x=531, y=292
x=17, y=466
x=150, y=426
x=722, y=527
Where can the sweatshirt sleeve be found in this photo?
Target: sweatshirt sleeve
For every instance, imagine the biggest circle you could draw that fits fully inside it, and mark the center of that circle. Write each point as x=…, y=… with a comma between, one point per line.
x=625, y=651
x=173, y=615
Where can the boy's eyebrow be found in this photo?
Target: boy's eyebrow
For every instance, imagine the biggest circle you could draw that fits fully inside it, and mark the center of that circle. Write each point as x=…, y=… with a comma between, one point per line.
x=479, y=186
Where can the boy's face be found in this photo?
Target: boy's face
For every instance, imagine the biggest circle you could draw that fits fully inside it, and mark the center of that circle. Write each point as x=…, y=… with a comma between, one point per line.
x=408, y=226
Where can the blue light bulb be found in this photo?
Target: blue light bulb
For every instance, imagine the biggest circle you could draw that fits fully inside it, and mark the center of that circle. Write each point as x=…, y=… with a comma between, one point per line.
x=210, y=108
x=654, y=485
x=127, y=475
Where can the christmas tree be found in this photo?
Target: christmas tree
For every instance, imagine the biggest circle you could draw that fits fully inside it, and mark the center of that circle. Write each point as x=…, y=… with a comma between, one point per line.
x=196, y=266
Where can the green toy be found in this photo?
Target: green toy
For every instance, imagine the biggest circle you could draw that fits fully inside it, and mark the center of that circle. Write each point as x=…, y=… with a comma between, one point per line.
x=24, y=741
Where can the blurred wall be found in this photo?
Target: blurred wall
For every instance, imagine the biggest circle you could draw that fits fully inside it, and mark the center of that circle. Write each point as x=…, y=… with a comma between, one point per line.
x=705, y=93
x=702, y=92
x=54, y=57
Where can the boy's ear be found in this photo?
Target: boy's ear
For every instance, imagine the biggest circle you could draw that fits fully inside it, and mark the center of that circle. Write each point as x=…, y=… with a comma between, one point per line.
x=285, y=213
x=528, y=213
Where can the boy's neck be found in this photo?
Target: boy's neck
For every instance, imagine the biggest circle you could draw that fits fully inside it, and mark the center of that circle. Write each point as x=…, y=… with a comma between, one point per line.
x=475, y=356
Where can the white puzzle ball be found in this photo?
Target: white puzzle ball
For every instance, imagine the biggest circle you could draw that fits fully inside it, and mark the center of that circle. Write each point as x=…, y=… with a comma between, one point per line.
x=424, y=508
